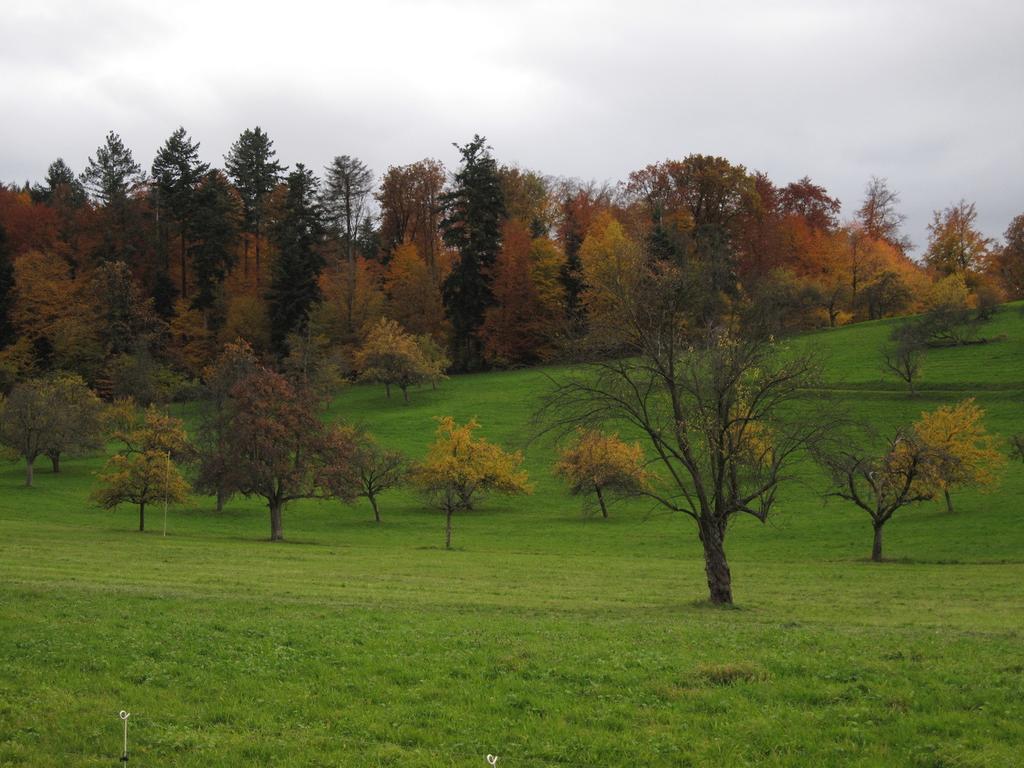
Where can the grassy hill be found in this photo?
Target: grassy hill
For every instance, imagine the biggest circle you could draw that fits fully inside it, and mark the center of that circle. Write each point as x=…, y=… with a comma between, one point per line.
x=547, y=637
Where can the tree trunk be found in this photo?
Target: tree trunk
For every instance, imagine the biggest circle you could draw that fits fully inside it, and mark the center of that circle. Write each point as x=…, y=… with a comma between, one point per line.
x=184, y=280
x=387, y=390
x=712, y=536
x=245, y=255
x=276, y=527
x=949, y=501
x=29, y=472
x=716, y=565
x=876, y=548
x=142, y=516
x=220, y=498
x=257, y=233
x=448, y=529
x=600, y=500
x=405, y=394
x=376, y=510
x=55, y=462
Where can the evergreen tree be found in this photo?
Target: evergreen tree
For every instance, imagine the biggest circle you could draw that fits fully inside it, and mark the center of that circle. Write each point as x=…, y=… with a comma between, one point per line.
x=473, y=211
x=110, y=179
x=571, y=278
x=62, y=192
x=176, y=173
x=298, y=235
x=255, y=173
x=113, y=175
x=212, y=233
x=60, y=183
x=164, y=295
x=6, y=290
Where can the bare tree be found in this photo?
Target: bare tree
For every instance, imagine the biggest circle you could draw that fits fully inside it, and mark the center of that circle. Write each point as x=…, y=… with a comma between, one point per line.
x=375, y=469
x=348, y=183
x=715, y=408
x=904, y=474
x=347, y=188
x=905, y=354
x=1017, y=446
x=878, y=214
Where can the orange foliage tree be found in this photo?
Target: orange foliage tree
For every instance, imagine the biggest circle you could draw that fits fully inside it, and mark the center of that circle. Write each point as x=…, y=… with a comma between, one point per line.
x=414, y=293
x=523, y=325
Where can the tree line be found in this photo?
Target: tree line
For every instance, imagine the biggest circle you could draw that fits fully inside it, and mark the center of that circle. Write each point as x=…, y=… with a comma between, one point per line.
x=135, y=278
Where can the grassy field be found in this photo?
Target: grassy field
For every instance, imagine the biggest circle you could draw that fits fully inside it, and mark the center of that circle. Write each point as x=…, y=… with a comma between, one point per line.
x=546, y=637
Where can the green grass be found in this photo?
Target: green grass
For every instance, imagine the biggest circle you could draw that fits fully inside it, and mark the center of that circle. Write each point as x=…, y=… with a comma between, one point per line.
x=546, y=637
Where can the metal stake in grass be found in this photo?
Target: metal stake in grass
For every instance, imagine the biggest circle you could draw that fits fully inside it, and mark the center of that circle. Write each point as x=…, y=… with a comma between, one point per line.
x=124, y=718
x=167, y=474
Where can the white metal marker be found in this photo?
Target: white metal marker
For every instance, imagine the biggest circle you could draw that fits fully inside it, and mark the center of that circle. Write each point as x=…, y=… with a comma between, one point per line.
x=124, y=718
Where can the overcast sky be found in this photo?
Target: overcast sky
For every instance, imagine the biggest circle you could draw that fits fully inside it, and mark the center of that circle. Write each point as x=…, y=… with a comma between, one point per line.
x=928, y=94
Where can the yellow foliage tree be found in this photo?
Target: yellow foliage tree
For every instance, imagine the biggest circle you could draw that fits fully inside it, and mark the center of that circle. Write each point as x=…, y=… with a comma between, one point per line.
x=392, y=356
x=247, y=320
x=191, y=343
x=145, y=470
x=601, y=463
x=141, y=478
x=459, y=468
x=968, y=455
x=612, y=271
x=950, y=294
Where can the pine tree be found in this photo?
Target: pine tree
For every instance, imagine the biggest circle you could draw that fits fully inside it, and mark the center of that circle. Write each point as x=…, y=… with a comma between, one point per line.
x=110, y=179
x=212, y=232
x=298, y=234
x=113, y=175
x=474, y=210
x=251, y=165
x=60, y=183
x=176, y=173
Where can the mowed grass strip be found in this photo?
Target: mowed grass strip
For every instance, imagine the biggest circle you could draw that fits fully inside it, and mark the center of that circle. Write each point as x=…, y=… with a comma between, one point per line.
x=548, y=636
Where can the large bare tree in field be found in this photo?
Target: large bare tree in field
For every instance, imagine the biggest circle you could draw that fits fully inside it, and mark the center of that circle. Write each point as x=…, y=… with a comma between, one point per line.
x=722, y=414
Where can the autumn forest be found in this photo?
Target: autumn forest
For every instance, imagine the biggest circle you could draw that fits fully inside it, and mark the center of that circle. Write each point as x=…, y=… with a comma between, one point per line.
x=134, y=277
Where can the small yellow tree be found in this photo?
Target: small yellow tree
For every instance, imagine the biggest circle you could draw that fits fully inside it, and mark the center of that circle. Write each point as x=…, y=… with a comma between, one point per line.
x=601, y=463
x=969, y=455
x=391, y=356
x=141, y=478
x=459, y=468
x=144, y=471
